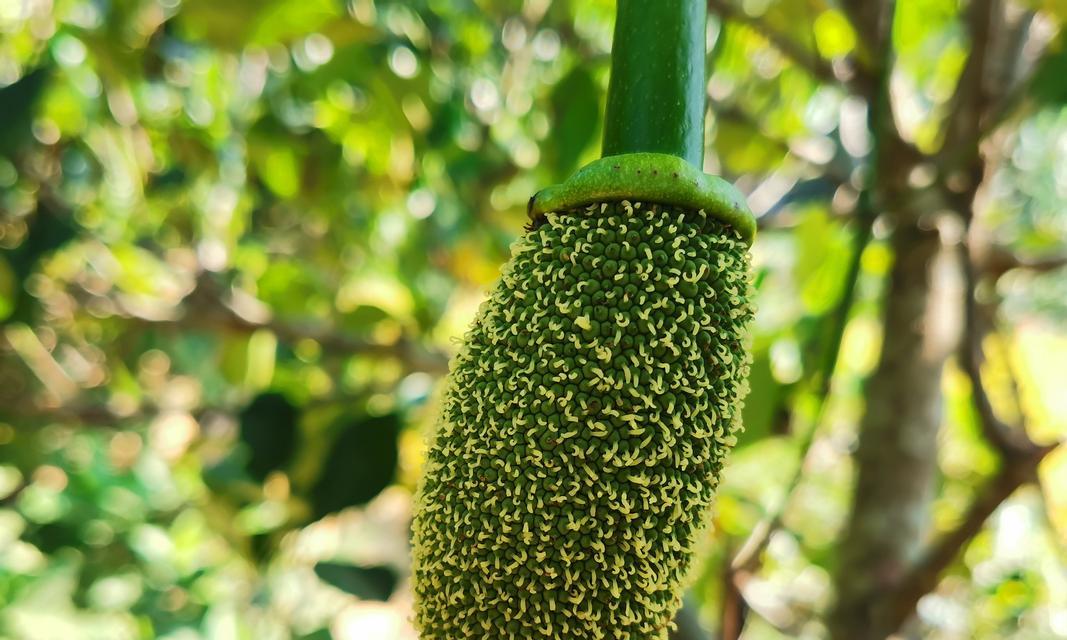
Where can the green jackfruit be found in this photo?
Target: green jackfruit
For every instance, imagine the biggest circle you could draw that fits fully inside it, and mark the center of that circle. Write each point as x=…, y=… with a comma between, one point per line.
x=584, y=427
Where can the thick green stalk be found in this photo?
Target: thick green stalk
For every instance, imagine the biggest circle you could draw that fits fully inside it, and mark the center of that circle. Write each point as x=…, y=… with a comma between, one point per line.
x=656, y=98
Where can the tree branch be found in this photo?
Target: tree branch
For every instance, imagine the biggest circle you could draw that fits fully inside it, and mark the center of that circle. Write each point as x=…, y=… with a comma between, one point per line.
x=208, y=308
x=994, y=80
x=998, y=260
x=925, y=575
x=734, y=606
x=1012, y=83
x=968, y=102
x=810, y=61
x=1019, y=456
x=871, y=19
x=1010, y=441
x=747, y=557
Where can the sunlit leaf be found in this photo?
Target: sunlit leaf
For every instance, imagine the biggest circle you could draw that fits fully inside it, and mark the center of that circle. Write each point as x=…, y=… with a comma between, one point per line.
x=833, y=34
x=280, y=169
x=822, y=259
x=235, y=24
x=743, y=148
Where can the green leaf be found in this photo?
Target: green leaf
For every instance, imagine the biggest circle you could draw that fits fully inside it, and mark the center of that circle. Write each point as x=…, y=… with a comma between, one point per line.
x=743, y=148
x=575, y=108
x=762, y=406
x=280, y=169
x=17, y=103
x=288, y=18
x=361, y=463
x=919, y=21
x=269, y=433
x=288, y=286
x=366, y=583
x=1047, y=85
x=833, y=34
x=822, y=258
x=48, y=231
x=8, y=289
x=233, y=24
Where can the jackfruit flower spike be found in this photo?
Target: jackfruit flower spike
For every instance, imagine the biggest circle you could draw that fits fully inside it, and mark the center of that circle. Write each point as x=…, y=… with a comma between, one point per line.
x=584, y=425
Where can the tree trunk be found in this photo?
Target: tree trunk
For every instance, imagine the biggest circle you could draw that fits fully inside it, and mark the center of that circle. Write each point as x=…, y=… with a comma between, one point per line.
x=896, y=459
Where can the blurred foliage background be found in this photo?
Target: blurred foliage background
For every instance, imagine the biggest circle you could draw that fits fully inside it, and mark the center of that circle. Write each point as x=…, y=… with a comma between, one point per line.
x=239, y=240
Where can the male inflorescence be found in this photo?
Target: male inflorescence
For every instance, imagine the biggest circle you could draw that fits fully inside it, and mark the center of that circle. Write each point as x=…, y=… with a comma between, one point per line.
x=584, y=426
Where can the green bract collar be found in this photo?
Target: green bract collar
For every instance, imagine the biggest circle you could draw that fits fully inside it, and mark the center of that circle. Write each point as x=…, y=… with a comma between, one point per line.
x=648, y=177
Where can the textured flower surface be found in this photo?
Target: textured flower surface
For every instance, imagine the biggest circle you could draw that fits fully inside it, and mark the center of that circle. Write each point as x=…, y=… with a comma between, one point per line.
x=584, y=426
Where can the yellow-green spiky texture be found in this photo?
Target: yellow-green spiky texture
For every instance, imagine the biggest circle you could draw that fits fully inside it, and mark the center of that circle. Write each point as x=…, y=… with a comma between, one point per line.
x=583, y=430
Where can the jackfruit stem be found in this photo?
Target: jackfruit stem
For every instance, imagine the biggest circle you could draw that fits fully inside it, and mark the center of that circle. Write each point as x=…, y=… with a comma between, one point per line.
x=656, y=95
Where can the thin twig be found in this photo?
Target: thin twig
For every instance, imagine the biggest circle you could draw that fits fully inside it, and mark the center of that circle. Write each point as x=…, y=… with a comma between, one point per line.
x=809, y=60
x=747, y=557
x=998, y=260
x=1010, y=440
x=734, y=607
x=969, y=101
x=870, y=19
x=924, y=576
x=1013, y=86
x=991, y=72
x=207, y=308
x=729, y=111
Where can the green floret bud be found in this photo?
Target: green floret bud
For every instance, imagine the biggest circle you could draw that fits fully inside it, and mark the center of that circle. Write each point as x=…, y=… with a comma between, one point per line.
x=583, y=430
